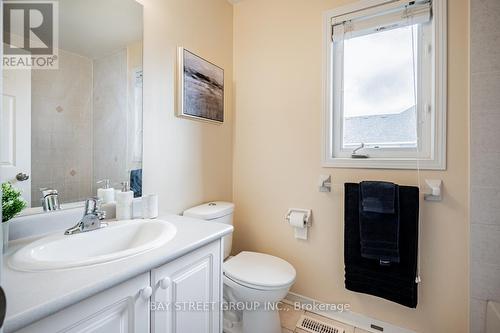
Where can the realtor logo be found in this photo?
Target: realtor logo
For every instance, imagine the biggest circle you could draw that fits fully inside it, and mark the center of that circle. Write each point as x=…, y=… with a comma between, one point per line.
x=30, y=34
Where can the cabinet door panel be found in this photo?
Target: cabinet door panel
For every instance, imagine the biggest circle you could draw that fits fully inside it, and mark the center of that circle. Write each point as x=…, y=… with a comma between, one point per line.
x=120, y=309
x=114, y=319
x=190, y=298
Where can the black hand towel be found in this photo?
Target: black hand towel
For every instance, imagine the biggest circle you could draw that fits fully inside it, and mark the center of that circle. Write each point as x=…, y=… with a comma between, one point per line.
x=397, y=281
x=378, y=197
x=379, y=221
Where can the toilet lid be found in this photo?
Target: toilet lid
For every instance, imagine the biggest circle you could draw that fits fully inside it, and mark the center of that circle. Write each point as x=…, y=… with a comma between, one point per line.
x=259, y=269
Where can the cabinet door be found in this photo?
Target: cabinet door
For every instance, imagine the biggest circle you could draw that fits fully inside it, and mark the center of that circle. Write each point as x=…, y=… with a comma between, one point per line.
x=121, y=309
x=188, y=293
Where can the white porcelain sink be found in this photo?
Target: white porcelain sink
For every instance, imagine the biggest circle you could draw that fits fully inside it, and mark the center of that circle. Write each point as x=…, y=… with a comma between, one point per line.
x=116, y=241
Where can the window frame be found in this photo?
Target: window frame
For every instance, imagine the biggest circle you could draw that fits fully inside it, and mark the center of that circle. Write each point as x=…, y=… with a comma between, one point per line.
x=434, y=156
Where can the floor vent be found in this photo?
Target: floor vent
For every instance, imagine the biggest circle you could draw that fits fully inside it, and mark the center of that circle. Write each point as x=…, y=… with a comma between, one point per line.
x=314, y=325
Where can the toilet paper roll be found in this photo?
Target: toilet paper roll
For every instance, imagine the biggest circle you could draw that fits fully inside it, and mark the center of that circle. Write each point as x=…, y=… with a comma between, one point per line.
x=297, y=220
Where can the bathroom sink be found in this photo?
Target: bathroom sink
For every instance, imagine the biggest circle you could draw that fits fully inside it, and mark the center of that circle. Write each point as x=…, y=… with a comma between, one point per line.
x=116, y=241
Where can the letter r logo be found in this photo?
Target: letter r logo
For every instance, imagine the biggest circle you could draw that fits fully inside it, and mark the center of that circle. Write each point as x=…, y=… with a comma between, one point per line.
x=28, y=27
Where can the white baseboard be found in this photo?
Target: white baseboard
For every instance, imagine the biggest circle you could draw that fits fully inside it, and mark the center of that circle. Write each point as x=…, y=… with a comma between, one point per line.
x=348, y=317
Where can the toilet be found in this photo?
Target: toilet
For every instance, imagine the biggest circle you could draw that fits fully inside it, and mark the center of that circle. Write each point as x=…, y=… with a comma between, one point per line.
x=254, y=282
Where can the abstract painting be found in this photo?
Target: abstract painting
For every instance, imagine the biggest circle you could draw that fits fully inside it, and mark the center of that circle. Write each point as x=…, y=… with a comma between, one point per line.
x=201, y=88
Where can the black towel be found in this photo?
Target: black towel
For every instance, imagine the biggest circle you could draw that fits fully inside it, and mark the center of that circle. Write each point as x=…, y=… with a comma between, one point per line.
x=378, y=197
x=397, y=281
x=379, y=221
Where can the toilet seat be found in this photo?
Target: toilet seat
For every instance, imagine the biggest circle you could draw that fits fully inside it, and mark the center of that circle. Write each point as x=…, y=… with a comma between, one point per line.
x=231, y=281
x=259, y=271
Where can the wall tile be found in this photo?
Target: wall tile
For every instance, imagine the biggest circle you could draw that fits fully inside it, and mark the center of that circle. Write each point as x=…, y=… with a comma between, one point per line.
x=484, y=92
x=61, y=117
x=485, y=42
x=484, y=16
x=485, y=207
x=485, y=53
x=485, y=158
x=485, y=247
x=110, y=118
x=485, y=169
x=485, y=133
x=485, y=281
x=478, y=316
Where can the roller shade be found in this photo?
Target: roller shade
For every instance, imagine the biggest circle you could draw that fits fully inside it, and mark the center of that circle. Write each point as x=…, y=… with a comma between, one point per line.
x=388, y=16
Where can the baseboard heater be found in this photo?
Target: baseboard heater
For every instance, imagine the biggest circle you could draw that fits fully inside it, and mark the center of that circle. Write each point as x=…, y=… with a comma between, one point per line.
x=312, y=324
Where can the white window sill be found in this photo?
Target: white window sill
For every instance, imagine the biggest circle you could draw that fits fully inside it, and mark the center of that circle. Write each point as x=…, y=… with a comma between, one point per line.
x=385, y=163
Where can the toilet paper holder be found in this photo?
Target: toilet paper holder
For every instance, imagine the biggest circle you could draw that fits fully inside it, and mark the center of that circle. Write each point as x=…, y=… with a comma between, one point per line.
x=307, y=216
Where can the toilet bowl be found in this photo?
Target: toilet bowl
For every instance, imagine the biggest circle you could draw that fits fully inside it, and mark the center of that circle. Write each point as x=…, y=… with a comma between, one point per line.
x=254, y=283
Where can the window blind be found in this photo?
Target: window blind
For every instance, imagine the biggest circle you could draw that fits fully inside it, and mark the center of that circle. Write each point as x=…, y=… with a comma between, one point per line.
x=387, y=16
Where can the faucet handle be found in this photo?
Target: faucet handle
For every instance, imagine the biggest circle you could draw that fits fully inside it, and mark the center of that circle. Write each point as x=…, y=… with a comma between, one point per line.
x=92, y=217
x=92, y=205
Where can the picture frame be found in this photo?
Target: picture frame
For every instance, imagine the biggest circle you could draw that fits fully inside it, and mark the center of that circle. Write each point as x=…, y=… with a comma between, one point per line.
x=200, y=88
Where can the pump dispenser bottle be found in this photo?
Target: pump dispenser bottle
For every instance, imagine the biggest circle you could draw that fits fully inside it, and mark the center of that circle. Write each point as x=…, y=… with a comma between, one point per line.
x=124, y=200
x=106, y=193
x=107, y=196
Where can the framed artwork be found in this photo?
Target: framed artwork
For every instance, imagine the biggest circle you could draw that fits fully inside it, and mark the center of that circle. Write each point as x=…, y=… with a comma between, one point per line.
x=200, y=88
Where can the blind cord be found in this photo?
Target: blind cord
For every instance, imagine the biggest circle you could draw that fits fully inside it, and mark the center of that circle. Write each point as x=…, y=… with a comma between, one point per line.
x=417, y=278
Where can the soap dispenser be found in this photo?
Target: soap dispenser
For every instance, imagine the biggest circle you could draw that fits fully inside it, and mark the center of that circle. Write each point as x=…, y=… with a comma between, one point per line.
x=107, y=196
x=106, y=193
x=124, y=200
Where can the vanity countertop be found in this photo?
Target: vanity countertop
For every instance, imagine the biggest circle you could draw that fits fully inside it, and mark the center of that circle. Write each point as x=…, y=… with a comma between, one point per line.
x=32, y=296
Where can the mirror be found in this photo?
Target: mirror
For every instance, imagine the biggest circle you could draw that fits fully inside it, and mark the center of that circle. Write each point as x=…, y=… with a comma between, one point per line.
x=69, y=127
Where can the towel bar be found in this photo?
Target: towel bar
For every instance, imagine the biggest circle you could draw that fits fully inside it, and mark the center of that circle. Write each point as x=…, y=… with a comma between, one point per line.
x=435, y=186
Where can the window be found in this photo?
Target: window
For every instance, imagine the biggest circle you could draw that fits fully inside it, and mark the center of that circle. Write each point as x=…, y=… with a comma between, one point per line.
x=386, y=85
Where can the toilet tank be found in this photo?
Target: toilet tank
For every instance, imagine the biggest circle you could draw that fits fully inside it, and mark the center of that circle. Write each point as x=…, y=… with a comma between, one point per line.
x=217, y=211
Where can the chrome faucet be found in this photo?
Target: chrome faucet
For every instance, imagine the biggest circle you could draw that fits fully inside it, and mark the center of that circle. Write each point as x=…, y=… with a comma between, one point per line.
x=50, y=199
x=91, y=220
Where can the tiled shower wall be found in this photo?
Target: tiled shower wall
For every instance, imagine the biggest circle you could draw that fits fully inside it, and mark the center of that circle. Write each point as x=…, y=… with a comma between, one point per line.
x=110, y=118
x=79, y=125
x=61, y=145
x=485, y=158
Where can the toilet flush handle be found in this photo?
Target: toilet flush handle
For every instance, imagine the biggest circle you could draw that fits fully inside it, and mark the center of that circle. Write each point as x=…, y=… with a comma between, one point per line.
x=165, y=283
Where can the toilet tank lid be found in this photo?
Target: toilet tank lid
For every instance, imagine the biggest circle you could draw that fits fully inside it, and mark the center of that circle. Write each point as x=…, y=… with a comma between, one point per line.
x=210, y=210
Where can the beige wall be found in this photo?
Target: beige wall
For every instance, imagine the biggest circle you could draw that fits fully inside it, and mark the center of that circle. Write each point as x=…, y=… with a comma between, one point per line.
x=134, y=55
x=278, y=87
x=186, y=162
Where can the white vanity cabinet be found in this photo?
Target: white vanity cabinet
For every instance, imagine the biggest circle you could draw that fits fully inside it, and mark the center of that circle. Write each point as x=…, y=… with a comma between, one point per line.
x=182, y=296
x=188, y=293
x=121, y=309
